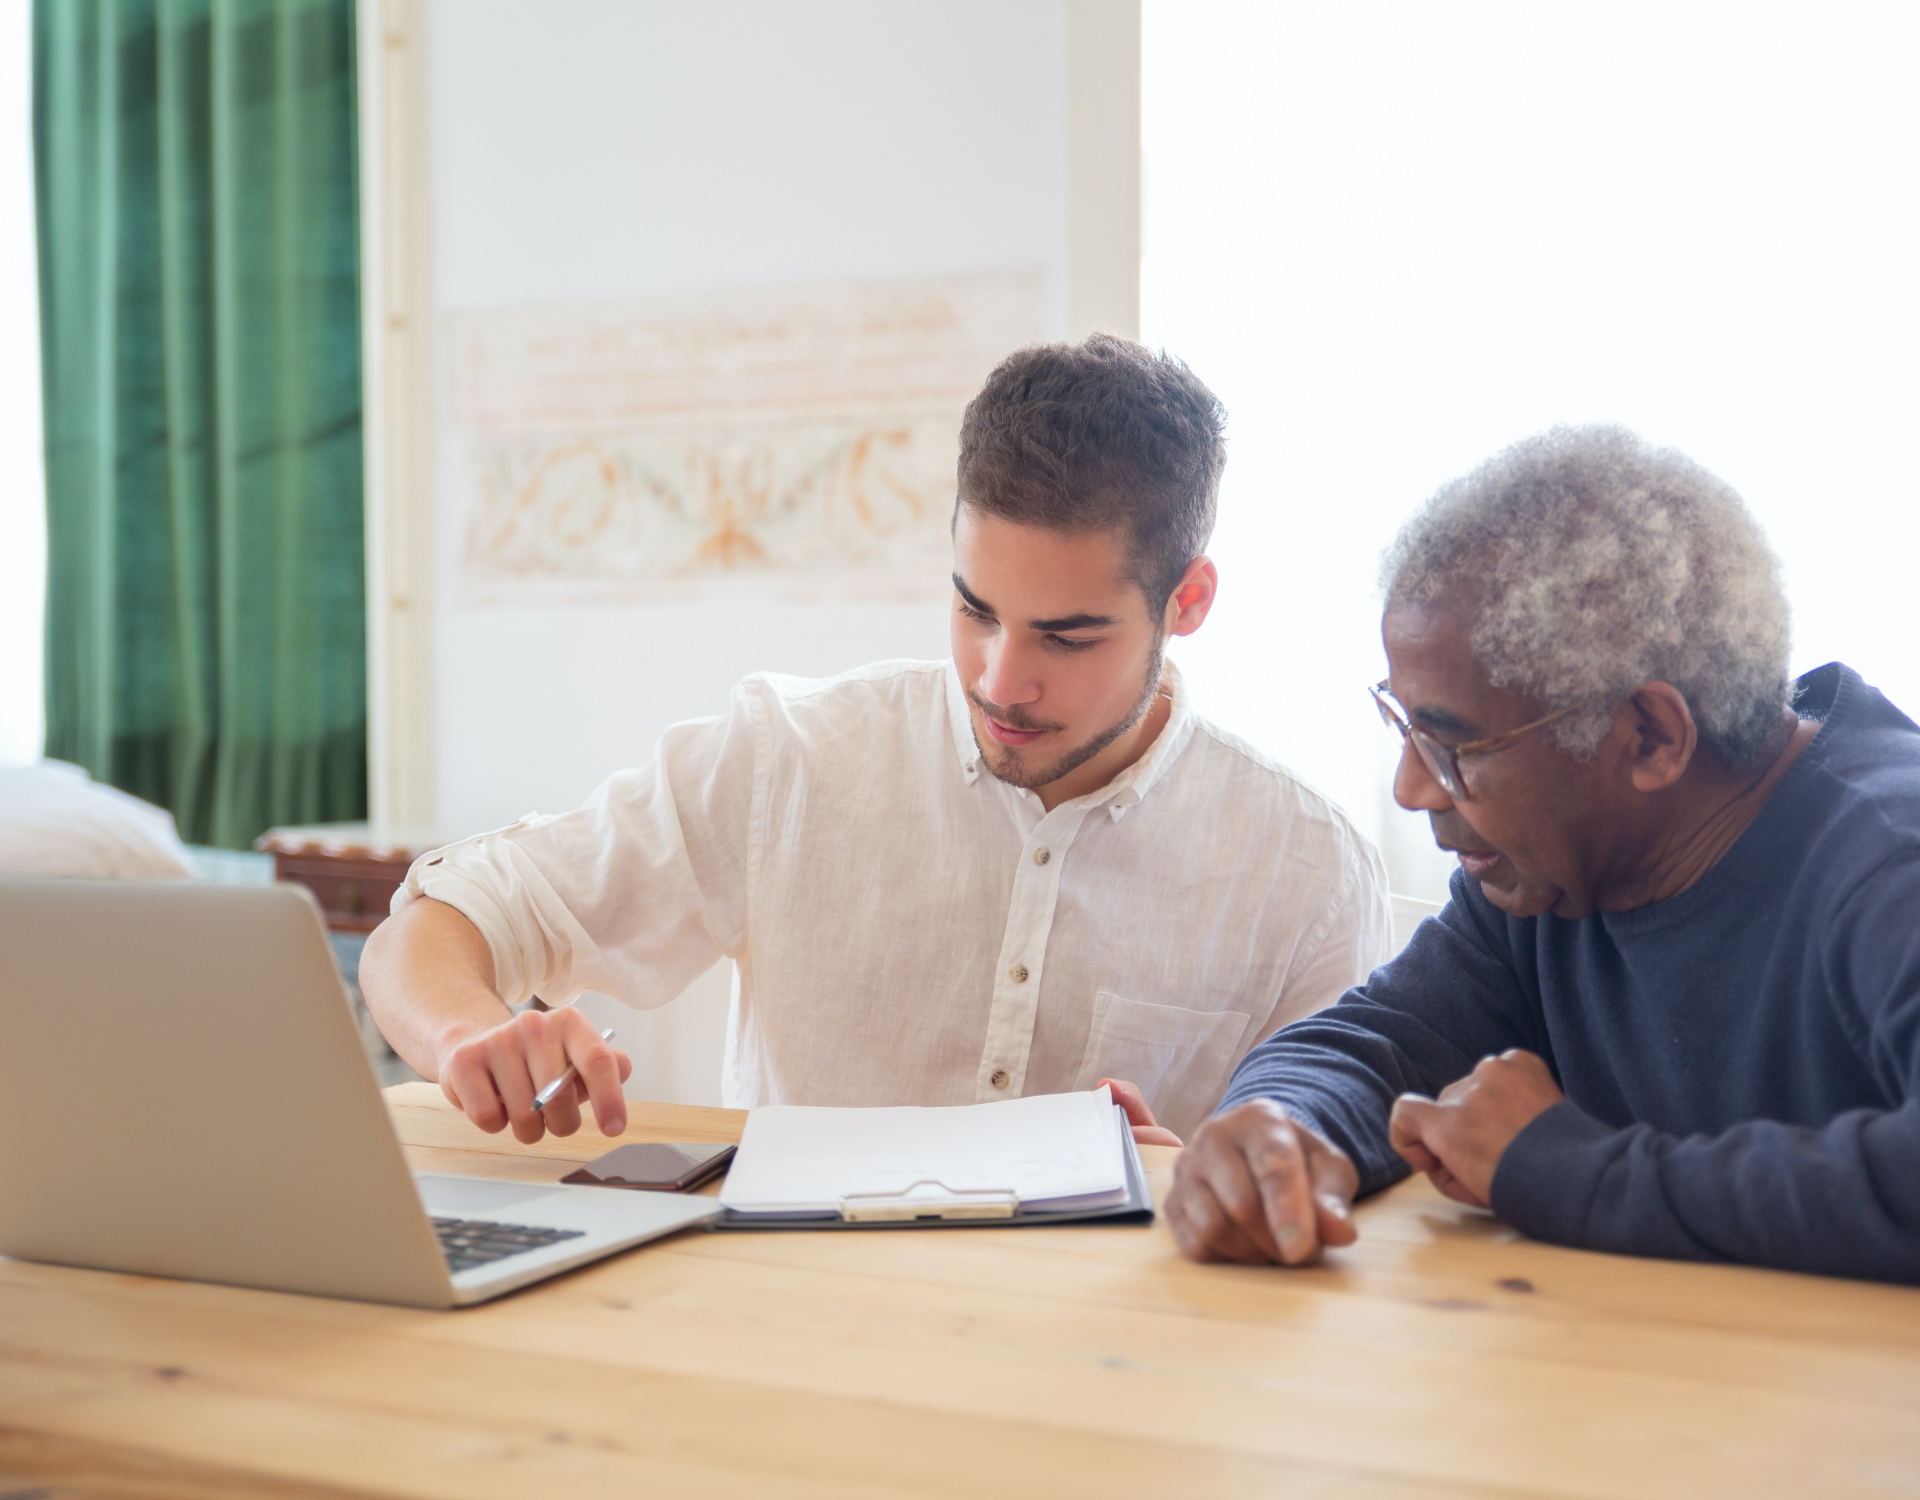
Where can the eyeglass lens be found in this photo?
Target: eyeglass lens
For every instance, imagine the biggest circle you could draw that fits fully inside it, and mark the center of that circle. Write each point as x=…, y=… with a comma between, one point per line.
x=1437, y=760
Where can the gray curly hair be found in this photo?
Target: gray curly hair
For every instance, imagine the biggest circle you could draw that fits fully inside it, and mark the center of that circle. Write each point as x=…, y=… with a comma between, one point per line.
x=1601, y=562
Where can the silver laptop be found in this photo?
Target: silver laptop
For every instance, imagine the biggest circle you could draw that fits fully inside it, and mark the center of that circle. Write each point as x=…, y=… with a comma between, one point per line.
x=183, y=1093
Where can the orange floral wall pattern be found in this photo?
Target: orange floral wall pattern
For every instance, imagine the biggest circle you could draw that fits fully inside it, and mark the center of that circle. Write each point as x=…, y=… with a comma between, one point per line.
x=796, y=439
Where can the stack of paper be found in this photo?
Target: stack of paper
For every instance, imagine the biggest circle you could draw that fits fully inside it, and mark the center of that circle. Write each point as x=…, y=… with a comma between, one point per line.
x=1050, y=1154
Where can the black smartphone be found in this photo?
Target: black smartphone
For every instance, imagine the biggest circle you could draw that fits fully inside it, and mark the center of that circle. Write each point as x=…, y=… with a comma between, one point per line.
x=663, y=1168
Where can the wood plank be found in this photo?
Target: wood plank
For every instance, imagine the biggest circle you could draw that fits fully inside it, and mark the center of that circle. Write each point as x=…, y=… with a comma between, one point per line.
x=284, y=1391
x=37, y=1466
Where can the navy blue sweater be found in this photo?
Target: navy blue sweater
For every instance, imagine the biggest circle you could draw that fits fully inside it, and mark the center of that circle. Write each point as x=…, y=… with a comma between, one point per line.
x=1741, y=1062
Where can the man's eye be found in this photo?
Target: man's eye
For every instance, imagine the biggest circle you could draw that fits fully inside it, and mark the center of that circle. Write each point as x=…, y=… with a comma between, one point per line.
x=1066, y=644
x=973, y=614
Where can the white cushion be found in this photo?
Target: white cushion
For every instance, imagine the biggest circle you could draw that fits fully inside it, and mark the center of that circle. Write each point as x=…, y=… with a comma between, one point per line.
x=54, y=820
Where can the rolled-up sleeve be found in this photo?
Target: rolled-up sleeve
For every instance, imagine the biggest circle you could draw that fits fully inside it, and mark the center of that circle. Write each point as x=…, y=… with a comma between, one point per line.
x=632, y=895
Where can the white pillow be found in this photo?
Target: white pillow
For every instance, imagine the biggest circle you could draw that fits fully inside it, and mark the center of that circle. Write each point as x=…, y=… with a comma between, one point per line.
x=54, y=820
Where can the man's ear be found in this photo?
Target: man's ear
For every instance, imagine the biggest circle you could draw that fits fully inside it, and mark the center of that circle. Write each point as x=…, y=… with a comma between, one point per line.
x=1663, y=735
x=1192, y=597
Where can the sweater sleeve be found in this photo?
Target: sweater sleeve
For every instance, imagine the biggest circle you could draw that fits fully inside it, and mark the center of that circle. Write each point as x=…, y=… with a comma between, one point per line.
x=1843, y=1200
x=1420, y=1021
x=1839, y=1199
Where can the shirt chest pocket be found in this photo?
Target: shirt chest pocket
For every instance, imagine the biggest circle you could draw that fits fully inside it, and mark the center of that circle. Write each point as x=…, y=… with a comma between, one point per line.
x=1179, y=1058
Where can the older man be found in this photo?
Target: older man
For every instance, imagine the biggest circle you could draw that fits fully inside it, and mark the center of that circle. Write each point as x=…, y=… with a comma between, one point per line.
x=1673, y=1007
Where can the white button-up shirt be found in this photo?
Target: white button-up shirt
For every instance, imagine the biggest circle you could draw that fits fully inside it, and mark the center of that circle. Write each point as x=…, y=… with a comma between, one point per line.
x=908, y=929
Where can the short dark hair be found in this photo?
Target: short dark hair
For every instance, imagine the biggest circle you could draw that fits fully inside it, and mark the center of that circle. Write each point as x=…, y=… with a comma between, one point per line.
x=1099, y=436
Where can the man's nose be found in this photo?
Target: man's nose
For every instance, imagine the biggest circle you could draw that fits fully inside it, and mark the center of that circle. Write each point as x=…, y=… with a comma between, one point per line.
x=1414, y=785
x=1009, y=677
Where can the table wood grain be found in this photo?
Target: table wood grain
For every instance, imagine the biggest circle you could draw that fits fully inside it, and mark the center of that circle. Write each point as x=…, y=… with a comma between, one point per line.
x=1441, y=1356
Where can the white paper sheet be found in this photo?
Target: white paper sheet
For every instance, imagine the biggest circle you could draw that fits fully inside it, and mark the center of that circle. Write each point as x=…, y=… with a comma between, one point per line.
x=1043, y=1150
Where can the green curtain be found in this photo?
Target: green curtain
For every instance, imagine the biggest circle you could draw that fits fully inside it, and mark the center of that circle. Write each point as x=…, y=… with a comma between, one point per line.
x=195, y=169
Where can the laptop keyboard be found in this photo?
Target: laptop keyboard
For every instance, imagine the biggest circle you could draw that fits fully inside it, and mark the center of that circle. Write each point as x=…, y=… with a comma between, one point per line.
x=467, y=1243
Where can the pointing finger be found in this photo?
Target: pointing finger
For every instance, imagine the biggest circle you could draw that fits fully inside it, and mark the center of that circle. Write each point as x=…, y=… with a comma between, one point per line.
x=601, y=1072
x=1279, y=1167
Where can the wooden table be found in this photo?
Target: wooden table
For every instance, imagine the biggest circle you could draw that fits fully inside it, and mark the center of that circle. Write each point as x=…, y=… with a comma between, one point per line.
x=1442, y=1356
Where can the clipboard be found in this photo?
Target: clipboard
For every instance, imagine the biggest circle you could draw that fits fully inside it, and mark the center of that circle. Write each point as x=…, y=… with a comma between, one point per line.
x=930, y=1205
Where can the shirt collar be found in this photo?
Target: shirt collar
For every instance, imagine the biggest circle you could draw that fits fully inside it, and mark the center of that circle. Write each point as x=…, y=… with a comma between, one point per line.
x=1137, y=780
x=1125, y=789
x=960, y=719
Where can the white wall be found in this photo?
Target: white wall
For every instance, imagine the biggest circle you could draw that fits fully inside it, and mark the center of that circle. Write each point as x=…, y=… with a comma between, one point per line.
x=607, y=149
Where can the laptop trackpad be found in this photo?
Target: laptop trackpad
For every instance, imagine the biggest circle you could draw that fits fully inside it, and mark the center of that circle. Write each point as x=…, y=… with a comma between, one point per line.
x=465, y=1197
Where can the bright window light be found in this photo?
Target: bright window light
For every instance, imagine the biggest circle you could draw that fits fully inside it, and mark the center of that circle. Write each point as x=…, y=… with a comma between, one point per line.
x=23, y=518
x=1396, y=237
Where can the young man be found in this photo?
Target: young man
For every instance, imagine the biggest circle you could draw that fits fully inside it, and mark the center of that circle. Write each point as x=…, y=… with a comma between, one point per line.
x=1673, y=1007
x=1022, y=871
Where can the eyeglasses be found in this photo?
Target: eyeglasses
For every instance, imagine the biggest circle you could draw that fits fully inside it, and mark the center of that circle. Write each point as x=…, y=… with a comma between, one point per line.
x=1444, y=760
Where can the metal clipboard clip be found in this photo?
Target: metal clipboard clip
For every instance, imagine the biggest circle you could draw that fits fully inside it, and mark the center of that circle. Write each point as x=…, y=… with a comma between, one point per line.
x=929, y=1198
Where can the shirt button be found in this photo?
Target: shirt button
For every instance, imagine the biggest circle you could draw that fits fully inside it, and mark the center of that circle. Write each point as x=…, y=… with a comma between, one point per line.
x=999, y=1079
x=1041, y=856
x=1018, y=973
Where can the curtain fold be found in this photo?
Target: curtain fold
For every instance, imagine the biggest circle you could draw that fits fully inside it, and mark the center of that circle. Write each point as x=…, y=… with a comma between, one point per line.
x=196, y=183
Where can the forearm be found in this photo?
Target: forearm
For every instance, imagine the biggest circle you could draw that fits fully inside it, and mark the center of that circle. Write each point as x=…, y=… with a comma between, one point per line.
x=1339, y=1072
x=1418, y=1023
x=1839, y=1201
x=427, y=975
x=1337, y=1080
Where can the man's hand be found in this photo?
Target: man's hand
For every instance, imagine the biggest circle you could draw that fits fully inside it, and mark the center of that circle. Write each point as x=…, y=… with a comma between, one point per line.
x=1256, y=1186
x=492, y=1075
x=1146, y=1130
x=1458, y=1139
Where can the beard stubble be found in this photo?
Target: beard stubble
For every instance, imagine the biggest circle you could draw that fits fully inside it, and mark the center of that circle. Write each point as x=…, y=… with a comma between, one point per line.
x=1007, y=766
